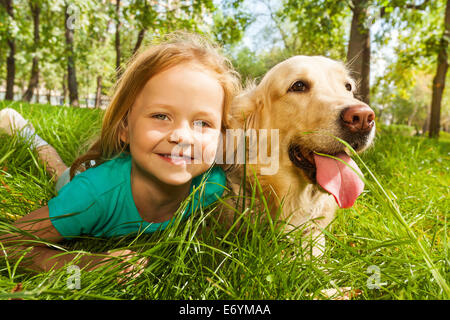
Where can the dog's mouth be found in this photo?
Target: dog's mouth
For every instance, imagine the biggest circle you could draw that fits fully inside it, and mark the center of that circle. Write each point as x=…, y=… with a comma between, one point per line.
x=303, y=159
x=336, y=173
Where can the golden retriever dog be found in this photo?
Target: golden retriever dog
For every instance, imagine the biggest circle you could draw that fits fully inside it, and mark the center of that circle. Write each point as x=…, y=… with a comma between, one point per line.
x=296, y=111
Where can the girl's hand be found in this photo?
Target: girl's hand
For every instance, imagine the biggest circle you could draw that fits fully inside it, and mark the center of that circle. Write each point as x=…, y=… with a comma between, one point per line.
x=132, y=269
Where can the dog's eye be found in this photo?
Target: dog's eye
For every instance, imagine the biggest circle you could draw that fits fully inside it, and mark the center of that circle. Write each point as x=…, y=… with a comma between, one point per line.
x=298, y=86
x=348, y=86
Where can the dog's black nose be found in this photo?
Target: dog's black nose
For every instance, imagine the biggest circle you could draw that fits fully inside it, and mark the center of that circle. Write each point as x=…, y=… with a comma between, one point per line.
x=358, y=118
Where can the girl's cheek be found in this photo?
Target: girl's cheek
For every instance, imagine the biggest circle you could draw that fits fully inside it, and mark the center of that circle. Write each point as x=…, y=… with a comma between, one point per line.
x=209, y=153
x=205, y=146
x=210, y=146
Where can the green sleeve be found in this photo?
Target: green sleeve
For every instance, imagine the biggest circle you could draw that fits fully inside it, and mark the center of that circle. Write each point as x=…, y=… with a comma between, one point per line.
x=75, y=211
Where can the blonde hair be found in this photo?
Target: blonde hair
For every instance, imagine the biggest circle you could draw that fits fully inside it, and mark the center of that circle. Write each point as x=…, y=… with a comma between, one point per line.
x=176, y=48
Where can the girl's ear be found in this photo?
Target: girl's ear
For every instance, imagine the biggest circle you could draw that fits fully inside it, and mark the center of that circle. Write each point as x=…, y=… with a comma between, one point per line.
x=123, y=131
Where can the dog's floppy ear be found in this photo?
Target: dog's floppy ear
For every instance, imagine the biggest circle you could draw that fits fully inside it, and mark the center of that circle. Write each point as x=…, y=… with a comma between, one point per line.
x=247, y=109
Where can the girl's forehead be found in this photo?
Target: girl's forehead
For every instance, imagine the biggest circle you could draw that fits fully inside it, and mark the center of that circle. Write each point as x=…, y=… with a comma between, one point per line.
x=186, y=84
x=183, y=70
x=187, y=75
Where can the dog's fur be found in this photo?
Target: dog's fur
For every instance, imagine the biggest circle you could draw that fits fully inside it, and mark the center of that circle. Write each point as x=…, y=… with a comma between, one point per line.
x=306, y=119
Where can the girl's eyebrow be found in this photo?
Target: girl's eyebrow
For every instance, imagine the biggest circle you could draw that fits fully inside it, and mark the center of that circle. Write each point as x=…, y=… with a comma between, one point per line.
x=207, y=114
x=156, y=104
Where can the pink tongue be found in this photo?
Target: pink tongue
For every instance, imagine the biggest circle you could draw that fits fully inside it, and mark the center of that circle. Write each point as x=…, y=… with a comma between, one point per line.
x=338, y=179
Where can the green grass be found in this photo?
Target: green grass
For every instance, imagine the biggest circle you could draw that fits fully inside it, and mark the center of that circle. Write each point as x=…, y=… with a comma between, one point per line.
x=399, y=226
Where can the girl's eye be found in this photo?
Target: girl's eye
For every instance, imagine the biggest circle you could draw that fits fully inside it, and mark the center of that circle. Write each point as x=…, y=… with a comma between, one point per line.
x=160, y=116
x=201, y=123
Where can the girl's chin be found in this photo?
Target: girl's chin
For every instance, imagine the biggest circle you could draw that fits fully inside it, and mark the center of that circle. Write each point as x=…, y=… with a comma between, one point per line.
x=178, y=180
x=181, y=178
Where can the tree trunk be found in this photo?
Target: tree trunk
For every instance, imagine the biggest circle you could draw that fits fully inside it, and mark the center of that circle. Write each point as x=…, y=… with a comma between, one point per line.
x=64, y=89
x=98, y=94
x=439, y=79
x=358, y=54
x=11, y=60
x=49, y=96
x=117, y=39
x=413, y=114
x=71, y=72
x=141, y=35
x=34, y=78
x=10, y=70
x=425, y=126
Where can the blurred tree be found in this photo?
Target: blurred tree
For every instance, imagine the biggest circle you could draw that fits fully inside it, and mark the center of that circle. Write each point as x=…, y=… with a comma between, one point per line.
x=313, y=27
x=249, y=64
x=229, y=23
x=117, y=38
x=70, y=11
x=153, y=18
x=11, y=60
x=419, y=46
x=145, y=16
x=95, y=55
x=35, y=8
x=358, y=53
x=80, y=57
x=439, y=79
x=303, y=27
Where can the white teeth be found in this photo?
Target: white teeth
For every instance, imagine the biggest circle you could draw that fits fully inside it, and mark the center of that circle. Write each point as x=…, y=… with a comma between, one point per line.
x=175, y=157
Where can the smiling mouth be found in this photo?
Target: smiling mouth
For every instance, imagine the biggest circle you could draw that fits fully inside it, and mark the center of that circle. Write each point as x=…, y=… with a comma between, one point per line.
x=175, y=156
x=176, y=159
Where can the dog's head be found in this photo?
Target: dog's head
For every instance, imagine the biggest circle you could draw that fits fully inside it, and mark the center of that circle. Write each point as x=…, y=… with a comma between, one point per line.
x=310, y=100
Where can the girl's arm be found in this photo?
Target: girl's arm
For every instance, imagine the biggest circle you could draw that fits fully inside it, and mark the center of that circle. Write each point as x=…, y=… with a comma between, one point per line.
x=41, y=257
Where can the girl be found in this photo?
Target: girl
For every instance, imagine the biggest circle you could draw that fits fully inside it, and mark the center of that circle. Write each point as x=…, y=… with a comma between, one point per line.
x=159, y=137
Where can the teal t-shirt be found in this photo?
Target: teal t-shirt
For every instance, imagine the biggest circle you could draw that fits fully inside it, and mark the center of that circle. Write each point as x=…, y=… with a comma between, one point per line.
x=99, y=202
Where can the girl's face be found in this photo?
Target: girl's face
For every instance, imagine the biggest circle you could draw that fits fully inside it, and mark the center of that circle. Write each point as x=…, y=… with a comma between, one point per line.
x=174, y=125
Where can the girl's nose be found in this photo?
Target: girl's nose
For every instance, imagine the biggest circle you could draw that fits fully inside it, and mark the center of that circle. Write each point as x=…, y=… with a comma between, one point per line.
x=183, y=134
